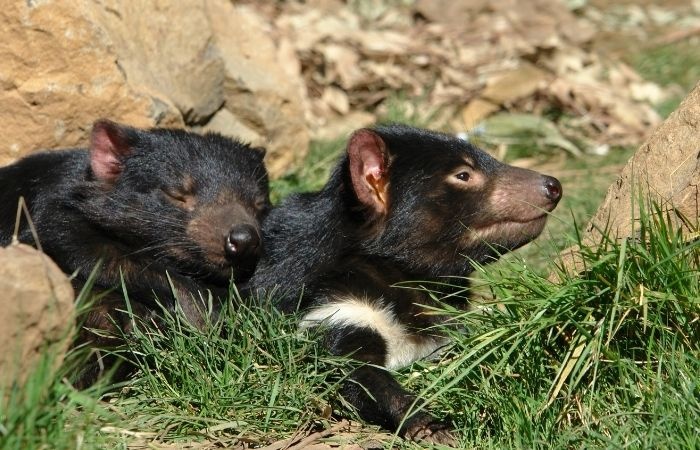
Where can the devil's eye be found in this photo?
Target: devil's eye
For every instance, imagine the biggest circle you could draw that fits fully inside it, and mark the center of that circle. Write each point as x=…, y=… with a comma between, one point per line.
x=180, y=198
x=261, y=203
x=176, y=195
x=463, y=176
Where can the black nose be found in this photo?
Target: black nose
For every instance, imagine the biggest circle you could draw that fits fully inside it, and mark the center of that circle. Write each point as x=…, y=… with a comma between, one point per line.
x=552, y=188
x=243, y=241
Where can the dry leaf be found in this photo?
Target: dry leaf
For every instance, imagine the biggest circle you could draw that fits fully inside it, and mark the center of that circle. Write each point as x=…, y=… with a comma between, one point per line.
x=514, y=85
x=336, y=99
x=352, y=59
x=476, y=111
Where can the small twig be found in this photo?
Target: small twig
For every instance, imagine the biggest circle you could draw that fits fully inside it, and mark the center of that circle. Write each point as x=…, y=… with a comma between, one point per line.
x=125, y=432
x=285, y=443
x=676, y=36
x=294, y=444
x=319, y=435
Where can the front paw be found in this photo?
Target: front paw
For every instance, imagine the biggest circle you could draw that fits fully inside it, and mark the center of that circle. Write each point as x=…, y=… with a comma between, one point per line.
x=427, y=429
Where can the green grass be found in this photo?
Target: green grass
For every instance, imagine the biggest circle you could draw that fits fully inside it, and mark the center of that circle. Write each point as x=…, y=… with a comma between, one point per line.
x=252, y=376
x=677, y=63
x=605, y=360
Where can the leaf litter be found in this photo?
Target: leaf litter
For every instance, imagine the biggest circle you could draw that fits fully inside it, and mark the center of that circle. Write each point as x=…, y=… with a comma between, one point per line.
x=470, y=60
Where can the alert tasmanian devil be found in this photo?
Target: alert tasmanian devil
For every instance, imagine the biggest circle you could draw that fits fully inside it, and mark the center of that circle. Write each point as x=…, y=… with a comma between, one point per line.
x=176, y=214
x=403, y=204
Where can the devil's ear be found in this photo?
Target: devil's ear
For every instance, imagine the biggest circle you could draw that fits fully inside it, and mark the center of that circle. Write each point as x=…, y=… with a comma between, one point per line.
x=110, y=144
x=368, y=159
x=262, y=151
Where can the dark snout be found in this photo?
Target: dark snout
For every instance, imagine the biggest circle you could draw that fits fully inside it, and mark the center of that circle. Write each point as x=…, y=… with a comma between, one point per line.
x=552, y=190
x=243, y=244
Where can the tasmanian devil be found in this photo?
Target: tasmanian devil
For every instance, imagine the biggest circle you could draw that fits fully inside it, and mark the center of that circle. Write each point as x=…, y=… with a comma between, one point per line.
x=176, y=214
x=403, y=204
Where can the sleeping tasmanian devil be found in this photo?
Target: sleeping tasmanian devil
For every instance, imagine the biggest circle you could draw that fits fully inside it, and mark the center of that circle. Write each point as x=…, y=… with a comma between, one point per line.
x=403, y=204
x=176, y=214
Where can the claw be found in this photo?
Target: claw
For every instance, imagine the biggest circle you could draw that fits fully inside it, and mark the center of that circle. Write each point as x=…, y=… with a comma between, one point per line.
x=429, y=430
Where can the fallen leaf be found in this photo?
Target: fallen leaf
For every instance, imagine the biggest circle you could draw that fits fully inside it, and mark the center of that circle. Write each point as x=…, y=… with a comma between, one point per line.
x=476, y=111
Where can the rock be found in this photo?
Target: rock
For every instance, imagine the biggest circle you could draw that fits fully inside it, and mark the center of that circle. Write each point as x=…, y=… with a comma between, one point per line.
x=225, y=122
x=58, y=73
x=181, y=61
x=263, y=95
x=38, y=312
x=145, y=62
x=665, y=169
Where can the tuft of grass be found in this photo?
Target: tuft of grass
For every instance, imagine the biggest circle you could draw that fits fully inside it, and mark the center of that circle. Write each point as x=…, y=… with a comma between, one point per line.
x=251, y=377
x=605, y=359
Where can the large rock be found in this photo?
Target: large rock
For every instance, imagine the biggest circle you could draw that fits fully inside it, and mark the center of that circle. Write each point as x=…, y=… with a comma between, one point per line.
x=58, y=73
x=37, y=311
x=202, y=63
x=167, y=46
x=664, y=170
x=263, y=89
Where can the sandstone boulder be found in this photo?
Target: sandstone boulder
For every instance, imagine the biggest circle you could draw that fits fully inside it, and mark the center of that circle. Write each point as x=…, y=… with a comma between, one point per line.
x=168, y=48
x=199, y=63
x=263, y=89
x=38, y=312
x=664, y=170
x=58, y=73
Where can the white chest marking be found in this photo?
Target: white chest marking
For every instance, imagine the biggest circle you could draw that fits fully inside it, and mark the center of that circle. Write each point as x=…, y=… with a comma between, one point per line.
x=402, y=347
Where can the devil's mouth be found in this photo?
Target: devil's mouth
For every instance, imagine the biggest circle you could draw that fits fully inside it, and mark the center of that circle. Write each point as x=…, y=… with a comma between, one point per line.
x=224, y=270
x=510, y=234
x=512, y=222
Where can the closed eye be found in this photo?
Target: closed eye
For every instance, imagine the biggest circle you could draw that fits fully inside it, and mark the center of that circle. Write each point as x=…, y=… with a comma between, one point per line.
x=179, y=198
x=262, y=205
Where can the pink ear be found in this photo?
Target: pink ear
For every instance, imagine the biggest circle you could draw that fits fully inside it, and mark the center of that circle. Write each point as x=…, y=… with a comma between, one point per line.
x=109, y=145
x=368, y=169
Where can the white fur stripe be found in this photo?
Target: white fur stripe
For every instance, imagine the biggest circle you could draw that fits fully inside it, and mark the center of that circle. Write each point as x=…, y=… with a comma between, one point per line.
x=403, y=348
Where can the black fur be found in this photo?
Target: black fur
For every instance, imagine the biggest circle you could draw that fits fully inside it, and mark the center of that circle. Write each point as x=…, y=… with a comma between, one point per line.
x=148, y=205
x=403, y=204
